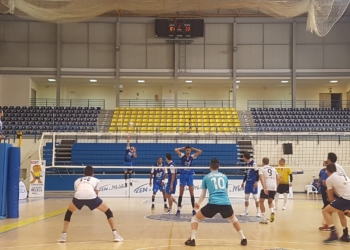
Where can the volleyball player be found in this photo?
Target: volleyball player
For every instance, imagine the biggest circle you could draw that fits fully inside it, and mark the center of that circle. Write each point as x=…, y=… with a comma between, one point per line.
x=217, y=184
x=337, y=184
x=251, y=180
x=158, y=174
x=286, y=179
x=269, y=180
x=86, y=194
x=130, y=154
x=172, y=182
x=186, y=174
x=322, y=184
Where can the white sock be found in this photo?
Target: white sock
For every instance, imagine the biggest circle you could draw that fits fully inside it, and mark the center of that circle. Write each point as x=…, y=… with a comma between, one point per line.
x=130, y=180
x=246, y=210
x=241, y=234
x=276, y=200
x=179, y=208
x=272, y=210
x=285, y=199
x=193, y=234
x=263, y=215
x=257, y=209
x=115, y=232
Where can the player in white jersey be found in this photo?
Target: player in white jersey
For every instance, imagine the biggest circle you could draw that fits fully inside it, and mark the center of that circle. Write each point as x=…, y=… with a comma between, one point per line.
x=338, y=184
x=332, y=159
x=270, y=180
x=86, y=194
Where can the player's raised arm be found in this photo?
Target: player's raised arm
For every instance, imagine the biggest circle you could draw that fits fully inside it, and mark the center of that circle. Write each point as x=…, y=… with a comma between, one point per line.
x=178, y=151
x=135, y=153
x=128, y=142
x=198, y=152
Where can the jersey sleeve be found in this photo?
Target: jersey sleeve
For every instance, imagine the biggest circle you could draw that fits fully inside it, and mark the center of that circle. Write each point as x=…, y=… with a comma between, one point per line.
x=76, y=185
x=97, y=186
x=172, y=169
x=261, y=171
x=289, y=171
x=204, y=183
x=152, y=170
x=329, y=183
x=194, y=156
x=127, y=148
x=181, y=155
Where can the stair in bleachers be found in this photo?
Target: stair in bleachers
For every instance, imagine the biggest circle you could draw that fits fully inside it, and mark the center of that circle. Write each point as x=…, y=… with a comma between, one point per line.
x=63, y=152
x=301, y=120
x=176, y=120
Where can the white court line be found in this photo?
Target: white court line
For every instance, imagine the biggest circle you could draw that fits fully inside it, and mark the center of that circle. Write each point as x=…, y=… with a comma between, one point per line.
x=182, y=240
x=144, y=200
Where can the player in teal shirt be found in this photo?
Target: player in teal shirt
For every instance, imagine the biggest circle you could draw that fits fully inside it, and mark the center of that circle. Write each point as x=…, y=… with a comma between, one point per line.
x=216, y=183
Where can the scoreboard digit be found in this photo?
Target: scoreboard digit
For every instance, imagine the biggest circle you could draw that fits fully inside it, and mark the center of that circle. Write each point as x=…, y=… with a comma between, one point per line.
x=179, y=28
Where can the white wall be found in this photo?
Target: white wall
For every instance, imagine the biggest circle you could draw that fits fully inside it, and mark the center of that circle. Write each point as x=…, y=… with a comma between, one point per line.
x=14, y=90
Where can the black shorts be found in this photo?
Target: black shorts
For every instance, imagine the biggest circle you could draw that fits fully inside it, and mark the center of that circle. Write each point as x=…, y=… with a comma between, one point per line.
x=210, y=210
x=271, y=194
x=340, y=204
x=92, y=204
x=283, y=188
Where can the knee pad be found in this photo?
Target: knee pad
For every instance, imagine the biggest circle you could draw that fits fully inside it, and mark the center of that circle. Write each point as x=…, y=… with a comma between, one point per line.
x=246, y=197
x=195, y=219
x=68, y=215
x=109, y=214
x=255, y=197
x=233, y=220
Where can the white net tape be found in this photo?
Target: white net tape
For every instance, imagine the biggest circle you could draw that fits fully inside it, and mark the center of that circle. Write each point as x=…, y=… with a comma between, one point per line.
x=322, y=14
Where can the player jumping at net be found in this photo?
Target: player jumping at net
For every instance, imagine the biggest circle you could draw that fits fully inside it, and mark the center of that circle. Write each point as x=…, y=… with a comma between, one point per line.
x=170, y=188
x=130, y=154
x=286, y=179
x=217, y=184
x=337, y=184
x=269, y=180
x=251, y=180
x=158, y=176
x=86, y=194
x=186, y=174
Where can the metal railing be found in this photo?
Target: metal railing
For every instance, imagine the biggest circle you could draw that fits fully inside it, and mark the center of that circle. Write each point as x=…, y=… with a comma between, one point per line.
x=171, y=103
x=48, y=102
x=298, y=104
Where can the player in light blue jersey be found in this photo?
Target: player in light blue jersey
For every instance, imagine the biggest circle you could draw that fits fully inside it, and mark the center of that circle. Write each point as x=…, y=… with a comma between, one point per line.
x=251, y=180
x=216, y=183
x=186, y=174
x=158, y=174
x=129, y=155
x=170, y=188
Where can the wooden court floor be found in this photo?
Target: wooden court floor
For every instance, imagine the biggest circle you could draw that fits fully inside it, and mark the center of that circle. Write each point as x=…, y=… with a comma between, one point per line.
x=40, y=225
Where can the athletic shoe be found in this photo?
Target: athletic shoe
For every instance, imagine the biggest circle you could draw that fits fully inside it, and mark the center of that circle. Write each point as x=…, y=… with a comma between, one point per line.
x=62, y=238
x=117, y=237
x=190, y=242
x=345, y=238
x=130, y=184
x=333, y=237
x=244, y=242
x=194, y=212
x=244, y=214
x=169, y=212
x=272, y=217
x=258, y=214
x=263, y=222
x=152, y=207
x=275, y=208
x=283, y=208
x=165, y=206
x=178, y=212
x=325, y=227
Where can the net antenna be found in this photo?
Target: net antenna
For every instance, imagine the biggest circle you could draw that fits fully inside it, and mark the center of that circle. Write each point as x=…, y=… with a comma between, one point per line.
x=321, y=14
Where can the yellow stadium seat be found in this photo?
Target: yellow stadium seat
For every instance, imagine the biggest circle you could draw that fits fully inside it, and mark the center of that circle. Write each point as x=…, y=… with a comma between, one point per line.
x=112, y=129
x=213, y=130
x=206, y=120
x=138, y=124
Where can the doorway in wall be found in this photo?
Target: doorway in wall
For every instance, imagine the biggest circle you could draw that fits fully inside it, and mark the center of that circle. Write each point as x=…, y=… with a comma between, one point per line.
x=330, y=100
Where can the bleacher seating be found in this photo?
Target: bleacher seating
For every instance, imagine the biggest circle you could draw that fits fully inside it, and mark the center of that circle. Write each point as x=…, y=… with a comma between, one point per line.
x=301, y=120
x=175, y=120
x=111, y=154
x=34, y=120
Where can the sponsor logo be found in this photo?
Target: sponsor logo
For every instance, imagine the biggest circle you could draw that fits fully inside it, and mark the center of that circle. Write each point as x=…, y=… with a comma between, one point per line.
x=235, y=188
x=109, y=187
x=142, y=189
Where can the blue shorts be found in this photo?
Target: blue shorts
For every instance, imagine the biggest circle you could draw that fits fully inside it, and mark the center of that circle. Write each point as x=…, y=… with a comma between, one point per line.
x=186, y=180
x=340, y=204
x=167, y=188
x=249, y=188
x=129, y=164
x=92, y=204
x=157, y=187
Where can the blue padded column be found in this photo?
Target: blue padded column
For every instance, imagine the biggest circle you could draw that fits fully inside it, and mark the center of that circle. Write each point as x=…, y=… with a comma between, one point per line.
x=14, y=162
x=3, y=178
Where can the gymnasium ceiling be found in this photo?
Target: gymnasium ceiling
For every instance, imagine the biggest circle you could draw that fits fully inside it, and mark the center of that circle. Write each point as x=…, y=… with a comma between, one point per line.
x=195, y=82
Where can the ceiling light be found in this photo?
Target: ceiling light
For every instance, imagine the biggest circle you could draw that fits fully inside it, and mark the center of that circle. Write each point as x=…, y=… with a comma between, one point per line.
x=140, y=81
x=238, y=81
x=93, y=80
x=52, y=80
x=334, y=81
x=189, y=81
x=284, y=81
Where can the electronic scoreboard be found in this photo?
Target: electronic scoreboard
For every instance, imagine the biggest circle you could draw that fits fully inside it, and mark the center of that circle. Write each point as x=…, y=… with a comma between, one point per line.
x=179, y=28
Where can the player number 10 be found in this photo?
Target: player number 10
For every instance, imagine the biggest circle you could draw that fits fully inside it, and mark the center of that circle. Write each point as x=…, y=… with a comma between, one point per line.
x=218, y=183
